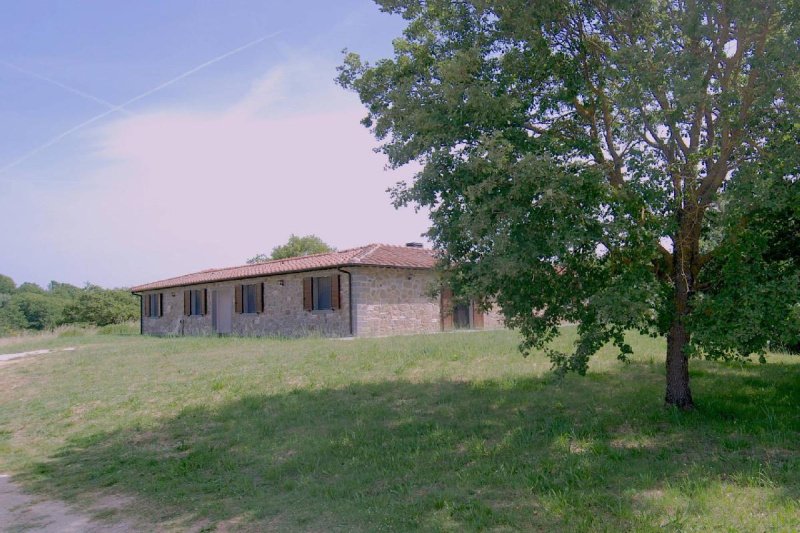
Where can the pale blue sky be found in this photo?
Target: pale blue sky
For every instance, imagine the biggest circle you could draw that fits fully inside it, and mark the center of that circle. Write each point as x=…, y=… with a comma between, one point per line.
x=218, y=164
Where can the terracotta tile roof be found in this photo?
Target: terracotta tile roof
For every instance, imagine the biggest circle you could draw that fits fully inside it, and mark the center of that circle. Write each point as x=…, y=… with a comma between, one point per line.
x=384, y=255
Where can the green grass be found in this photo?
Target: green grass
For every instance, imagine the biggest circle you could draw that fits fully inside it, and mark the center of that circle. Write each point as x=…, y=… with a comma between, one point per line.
x=447, y=432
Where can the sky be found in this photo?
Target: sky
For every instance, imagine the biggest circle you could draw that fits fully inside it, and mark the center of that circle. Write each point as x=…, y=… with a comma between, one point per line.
x=144, y=140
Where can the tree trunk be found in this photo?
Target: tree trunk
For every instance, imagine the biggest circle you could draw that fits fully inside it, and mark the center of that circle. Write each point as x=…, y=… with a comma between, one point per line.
x=678, y=392
x=685, y=257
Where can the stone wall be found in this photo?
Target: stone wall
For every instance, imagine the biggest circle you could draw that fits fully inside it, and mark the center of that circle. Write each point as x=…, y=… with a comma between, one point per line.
x=283, y=310
x=392, y=301
x=386, y=301
x=493, y=319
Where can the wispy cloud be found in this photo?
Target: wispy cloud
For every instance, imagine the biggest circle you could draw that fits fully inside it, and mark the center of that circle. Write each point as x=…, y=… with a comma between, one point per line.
x=122, y=107
x=180, y=190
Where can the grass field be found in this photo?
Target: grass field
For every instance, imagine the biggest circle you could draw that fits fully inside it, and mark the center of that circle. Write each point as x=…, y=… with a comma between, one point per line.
x=447, y=432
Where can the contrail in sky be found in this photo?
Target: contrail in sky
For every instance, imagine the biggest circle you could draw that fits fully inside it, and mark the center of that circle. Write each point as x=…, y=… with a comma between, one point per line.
x=64, y=86
x=121, y=107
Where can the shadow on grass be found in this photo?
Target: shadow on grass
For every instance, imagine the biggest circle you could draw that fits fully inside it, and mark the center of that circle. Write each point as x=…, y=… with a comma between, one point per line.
x=590, y=453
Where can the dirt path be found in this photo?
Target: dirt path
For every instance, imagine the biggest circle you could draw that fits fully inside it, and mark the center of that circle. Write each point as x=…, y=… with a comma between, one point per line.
x=22, y=512
x=18, y=355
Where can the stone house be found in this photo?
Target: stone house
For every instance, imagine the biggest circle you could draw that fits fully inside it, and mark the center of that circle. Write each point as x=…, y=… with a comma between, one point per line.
x=369, y=291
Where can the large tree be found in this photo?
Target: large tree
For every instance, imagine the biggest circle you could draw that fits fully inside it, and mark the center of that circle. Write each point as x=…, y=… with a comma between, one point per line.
x=576, y=157
x=295, y=247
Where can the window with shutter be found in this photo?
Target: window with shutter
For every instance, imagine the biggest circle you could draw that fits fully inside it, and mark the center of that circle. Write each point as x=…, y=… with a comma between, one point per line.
x=251, y=300
x=152, y=305
x=197, y=302
x=322, y=293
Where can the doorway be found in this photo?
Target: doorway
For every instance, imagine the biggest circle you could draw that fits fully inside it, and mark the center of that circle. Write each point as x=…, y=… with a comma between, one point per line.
x=461, y=315
x=222, y=310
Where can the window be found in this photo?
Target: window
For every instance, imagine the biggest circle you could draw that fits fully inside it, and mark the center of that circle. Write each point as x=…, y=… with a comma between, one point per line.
x=153, y=305
x=321, y=293
x=250, y=299
x=196, y=302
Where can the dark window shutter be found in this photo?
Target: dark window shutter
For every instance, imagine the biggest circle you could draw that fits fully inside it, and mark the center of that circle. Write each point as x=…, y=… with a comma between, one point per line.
x=446, y=306
x=146, y=300
x=260, y=298
x=160, y=304
x=477, y=317
x=336, y=301
x=237, y=299
x=308, y=298
x=205, y=302
x=187, y=302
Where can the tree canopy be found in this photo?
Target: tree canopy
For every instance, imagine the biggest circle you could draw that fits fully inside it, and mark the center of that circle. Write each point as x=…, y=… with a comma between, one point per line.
x=7, y=285
x=31, y=307
x=605, y=162
x=294, y=247
x=101, y=307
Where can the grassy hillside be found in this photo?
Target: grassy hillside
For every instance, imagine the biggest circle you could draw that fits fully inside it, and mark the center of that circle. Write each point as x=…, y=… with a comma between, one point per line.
x=444, y=432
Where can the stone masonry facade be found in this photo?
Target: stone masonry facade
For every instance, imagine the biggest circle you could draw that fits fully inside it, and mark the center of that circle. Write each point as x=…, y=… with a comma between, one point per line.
x=393, y=301
x=283, y=313
x=386, y=301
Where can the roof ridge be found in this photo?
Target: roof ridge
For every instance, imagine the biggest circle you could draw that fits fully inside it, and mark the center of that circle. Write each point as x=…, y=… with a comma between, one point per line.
x=370, y=254
x=301, y=257
x=367, y=250
x=275, y=261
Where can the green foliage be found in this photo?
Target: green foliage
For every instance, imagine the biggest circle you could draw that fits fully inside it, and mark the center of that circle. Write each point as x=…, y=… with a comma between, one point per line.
x=102, y=307
x=751, y=296
x=573, y=155
x=11, y=317
x=39, y=310
x=31, y=288
x=63, y=290
x=294, y=247
x=259, y=258
x=7, y=285
x=31, y=307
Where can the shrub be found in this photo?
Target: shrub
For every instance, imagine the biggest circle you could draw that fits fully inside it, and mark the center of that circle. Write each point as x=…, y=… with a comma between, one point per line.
x=102, y=307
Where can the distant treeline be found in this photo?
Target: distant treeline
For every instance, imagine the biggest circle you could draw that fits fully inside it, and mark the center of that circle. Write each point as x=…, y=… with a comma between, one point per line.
x=30, y=307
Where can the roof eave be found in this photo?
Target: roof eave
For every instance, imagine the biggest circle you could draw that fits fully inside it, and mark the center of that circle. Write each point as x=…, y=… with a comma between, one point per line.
x=143, y=288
